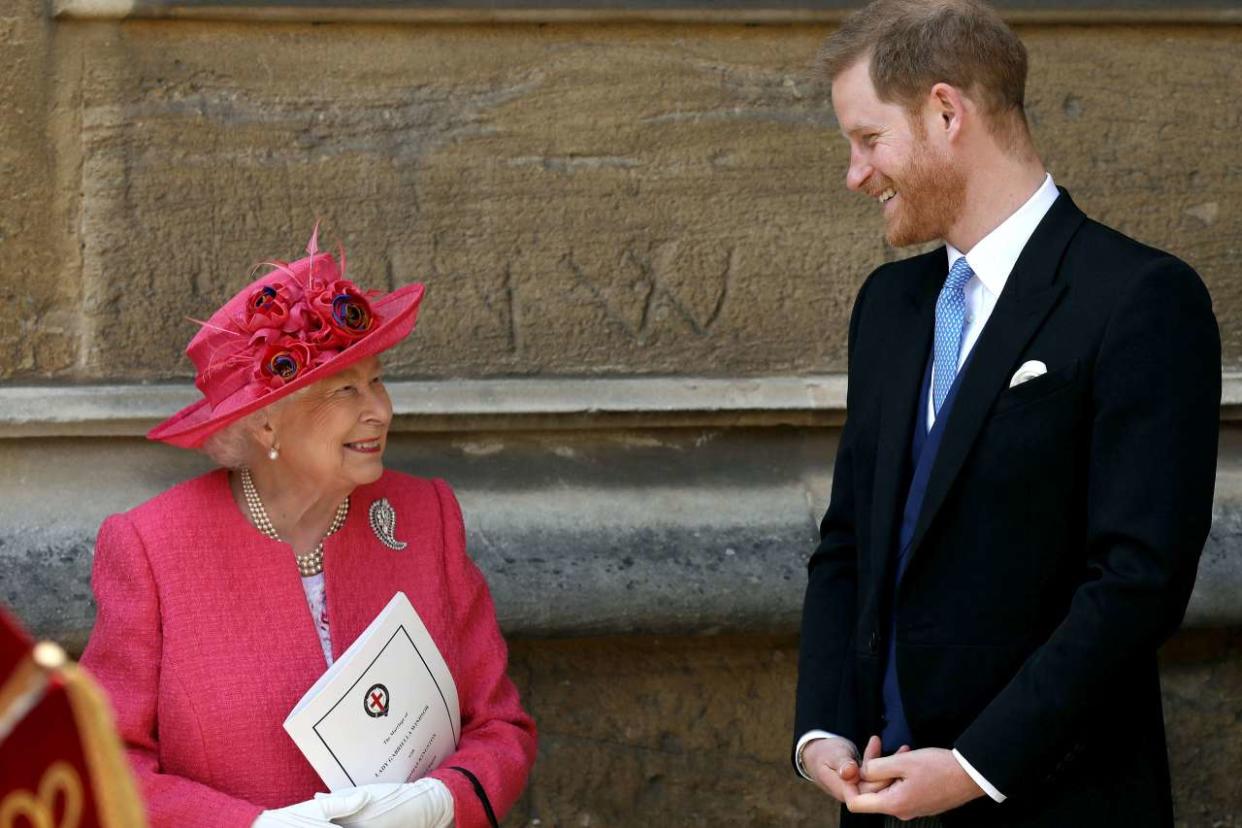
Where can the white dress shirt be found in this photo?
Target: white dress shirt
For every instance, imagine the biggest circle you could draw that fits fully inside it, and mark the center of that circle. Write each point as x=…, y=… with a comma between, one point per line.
x=992, y=260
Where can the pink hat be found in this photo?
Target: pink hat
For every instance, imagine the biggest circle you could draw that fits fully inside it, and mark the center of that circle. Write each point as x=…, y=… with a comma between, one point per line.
x=289, y=328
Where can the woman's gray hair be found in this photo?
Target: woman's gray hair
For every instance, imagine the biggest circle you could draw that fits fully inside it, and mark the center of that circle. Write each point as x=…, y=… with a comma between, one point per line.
x=234, y=445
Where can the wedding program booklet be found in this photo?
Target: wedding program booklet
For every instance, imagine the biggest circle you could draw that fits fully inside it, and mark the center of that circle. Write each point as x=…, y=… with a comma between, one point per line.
x=385, y=711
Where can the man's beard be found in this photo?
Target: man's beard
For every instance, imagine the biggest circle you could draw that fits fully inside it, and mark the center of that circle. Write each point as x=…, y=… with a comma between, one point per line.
x=932, y=194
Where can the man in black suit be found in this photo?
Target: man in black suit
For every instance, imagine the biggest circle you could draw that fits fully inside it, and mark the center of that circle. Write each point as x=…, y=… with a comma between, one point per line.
x=1024, y=481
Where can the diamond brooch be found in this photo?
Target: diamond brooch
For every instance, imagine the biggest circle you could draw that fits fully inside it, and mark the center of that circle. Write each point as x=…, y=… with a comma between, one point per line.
x=384, y=524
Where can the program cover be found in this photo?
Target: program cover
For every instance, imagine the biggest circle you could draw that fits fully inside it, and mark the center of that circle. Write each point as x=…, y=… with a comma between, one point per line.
x=385, y=711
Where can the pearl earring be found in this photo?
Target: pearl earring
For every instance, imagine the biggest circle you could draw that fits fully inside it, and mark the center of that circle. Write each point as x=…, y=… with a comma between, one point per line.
x=272, y=453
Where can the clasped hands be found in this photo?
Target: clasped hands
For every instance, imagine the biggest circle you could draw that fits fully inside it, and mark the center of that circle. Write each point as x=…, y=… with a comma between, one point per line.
x=907, y=785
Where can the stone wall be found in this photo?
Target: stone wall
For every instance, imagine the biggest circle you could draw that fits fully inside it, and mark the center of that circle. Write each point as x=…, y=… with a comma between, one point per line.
x=695, y=732
x=609, y=200
x=626, y=199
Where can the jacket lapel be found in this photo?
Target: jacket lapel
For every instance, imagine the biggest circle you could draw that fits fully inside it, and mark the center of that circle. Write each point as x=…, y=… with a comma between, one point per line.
x=262, y=577
x=911, y=336
x=1029, y=294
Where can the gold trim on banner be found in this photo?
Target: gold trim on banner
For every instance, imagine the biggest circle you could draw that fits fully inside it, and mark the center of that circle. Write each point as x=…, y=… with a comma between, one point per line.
x=59, y=778
x=117, y=803
x=116, y=796
x=20, y=692
x=21, y=804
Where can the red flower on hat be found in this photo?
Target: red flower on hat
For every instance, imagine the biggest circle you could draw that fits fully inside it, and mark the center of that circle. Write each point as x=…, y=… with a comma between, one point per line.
x=346, y=312
x=308, y=324
x=267, y=307
x=302, y=319
x=284, y=360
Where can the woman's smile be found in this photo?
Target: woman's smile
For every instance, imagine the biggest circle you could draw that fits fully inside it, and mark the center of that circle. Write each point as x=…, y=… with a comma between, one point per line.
x=366, y=446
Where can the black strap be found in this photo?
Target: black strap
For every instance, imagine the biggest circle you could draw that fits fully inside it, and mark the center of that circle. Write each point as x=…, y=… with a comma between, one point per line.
x=480, y=793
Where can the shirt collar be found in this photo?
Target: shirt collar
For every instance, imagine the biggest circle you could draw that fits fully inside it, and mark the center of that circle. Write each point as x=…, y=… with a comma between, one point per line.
x=993, y=258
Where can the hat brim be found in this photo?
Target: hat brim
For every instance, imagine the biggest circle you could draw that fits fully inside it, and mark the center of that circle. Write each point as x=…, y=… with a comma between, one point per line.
x=190, y=426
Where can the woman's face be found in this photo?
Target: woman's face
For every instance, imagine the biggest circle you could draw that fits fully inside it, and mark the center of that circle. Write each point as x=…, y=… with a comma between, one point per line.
x=333, y=434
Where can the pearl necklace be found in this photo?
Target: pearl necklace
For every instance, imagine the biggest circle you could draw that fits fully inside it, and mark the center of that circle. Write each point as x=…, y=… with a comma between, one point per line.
x=312, y=562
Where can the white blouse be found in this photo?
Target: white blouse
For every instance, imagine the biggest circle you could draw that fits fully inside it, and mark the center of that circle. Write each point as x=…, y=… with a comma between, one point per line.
x=317, y=600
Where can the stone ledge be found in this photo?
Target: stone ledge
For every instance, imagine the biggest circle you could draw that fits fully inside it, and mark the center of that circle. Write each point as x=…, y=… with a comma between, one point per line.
x=490, y=404
x=447, y=405
x=560, y=580
x=693, y=531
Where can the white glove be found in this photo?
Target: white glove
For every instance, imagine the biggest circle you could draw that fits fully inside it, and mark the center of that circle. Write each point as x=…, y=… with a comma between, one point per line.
x=315, y=813
x=426, y=803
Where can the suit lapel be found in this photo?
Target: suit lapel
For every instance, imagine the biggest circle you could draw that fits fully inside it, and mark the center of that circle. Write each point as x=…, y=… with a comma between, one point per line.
x=911, y=336
x=1029, y=294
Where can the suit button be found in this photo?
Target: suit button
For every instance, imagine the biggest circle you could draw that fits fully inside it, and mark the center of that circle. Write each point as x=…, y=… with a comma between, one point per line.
x=874, y=644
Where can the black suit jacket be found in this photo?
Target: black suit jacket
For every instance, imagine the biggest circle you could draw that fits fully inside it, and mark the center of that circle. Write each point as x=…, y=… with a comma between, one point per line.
x=1060, y=533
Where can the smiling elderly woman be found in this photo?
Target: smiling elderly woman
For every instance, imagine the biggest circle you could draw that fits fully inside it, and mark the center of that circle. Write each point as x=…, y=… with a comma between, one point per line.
x=222, y=600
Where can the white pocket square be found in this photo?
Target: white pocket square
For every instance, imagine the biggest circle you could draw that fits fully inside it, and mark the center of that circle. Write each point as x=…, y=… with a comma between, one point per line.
x=1029, y=371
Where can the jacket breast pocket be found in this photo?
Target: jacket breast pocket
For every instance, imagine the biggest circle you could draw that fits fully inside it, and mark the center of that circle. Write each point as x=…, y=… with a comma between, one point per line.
x=1032, y=391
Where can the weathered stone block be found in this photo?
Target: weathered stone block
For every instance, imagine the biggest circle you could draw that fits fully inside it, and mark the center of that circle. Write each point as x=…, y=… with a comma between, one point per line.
x=579, y=199
x=686, y=732
x=697, y=732
x=1201, y=673
x=38, y=288
x=665, y=532
x=1138, y=124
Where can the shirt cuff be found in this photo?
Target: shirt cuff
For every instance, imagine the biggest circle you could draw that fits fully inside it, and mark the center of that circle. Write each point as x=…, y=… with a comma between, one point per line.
x=996, y=795
x=807, y=738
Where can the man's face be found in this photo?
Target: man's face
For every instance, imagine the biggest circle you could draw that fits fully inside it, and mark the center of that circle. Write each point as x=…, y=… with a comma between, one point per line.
x=892, y=159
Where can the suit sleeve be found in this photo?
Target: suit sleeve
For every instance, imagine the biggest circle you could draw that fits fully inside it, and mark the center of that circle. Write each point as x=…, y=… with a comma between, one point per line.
x=497, y=736
x=124, y=656
x=1151, y=474
x=830, y=606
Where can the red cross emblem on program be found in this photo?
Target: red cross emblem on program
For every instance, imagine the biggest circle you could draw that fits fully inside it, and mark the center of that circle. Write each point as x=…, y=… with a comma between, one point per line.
x=376, y=701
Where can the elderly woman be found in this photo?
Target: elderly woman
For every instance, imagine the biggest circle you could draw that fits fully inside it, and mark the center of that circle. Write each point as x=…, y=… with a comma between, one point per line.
x=222, y=600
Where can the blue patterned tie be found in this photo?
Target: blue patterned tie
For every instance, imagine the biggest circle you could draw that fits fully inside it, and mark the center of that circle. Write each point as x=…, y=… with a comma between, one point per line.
x=950, y=321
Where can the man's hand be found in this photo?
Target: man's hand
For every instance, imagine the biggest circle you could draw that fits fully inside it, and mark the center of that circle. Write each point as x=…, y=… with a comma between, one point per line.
x=921, y=783
x=874, y=750
x=835, y=767
x=833, y=764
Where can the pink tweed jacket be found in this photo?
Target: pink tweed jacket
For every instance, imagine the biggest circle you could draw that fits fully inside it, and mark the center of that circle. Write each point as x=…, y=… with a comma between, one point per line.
x=204, y=642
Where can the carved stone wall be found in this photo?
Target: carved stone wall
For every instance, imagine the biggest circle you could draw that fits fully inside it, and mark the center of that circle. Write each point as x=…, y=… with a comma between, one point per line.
x=608, y=199
x=627, y=199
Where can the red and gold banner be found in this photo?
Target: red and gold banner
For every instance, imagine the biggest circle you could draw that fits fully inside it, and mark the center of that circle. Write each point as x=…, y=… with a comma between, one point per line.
x=61, y=763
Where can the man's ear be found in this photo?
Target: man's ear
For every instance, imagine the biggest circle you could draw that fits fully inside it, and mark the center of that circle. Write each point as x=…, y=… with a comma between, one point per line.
x=949, y=109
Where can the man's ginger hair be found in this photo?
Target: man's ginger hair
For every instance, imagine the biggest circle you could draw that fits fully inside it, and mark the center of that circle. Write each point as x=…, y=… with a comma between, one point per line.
x=911, y=45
